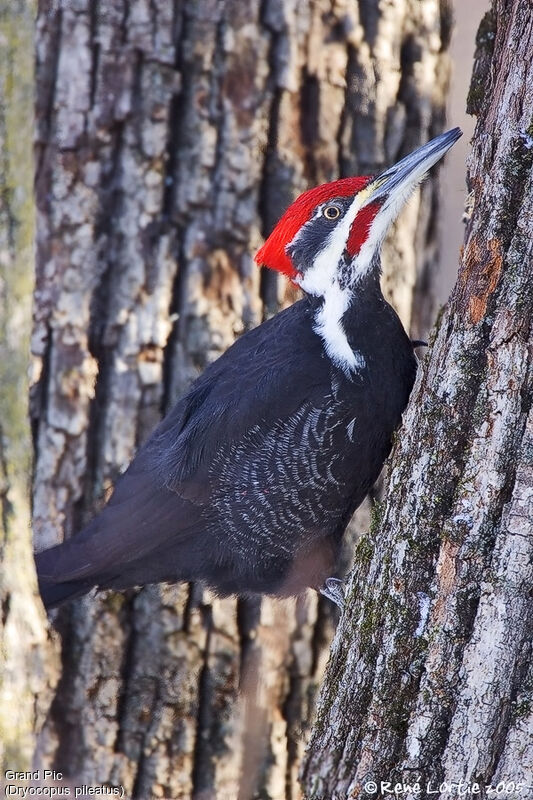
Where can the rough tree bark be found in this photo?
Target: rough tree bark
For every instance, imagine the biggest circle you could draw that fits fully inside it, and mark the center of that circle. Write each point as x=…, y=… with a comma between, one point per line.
x=23, y=651
x=170, y=136
x=431, y=669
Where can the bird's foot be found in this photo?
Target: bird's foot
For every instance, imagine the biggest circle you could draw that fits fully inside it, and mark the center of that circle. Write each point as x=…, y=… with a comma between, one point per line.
x=333, y=589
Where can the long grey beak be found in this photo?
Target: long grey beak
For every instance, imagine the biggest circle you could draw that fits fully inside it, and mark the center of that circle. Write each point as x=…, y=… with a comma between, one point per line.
x=408, y=172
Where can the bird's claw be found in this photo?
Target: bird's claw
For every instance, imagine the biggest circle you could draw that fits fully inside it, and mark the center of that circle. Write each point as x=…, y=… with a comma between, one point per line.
x=333, y=589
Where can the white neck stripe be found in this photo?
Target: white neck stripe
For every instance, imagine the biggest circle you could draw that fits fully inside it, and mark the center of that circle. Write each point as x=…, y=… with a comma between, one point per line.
x=322, y=280
x=328, y=325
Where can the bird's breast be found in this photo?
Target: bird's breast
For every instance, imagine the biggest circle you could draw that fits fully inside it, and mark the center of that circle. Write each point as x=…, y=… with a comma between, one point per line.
x=293, y=480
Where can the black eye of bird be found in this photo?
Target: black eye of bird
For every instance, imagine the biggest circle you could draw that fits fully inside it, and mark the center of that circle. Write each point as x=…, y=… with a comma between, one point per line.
x=332, y=212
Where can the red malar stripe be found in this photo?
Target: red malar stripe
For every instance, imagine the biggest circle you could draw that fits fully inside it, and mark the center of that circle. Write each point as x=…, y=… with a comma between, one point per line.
x=361, y=228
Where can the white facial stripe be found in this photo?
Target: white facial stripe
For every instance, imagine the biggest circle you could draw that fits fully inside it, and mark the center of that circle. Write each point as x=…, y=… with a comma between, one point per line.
x=321, y=280
x=323, y=273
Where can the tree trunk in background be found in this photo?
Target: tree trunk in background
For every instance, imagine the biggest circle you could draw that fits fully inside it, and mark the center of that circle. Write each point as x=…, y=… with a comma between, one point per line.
x=23, y=650
x=170, y=136
x=431, y=669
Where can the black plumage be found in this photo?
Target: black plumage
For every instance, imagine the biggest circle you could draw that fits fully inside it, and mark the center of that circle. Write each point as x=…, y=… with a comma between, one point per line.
x=250, y=480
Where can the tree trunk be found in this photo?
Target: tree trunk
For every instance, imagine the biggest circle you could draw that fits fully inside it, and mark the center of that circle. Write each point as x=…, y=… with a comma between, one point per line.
x=24, y=653
x=431, y=672
x=170, y=136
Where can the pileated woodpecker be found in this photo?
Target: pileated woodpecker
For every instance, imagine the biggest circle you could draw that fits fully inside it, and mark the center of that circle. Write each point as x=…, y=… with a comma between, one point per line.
x=250, y=480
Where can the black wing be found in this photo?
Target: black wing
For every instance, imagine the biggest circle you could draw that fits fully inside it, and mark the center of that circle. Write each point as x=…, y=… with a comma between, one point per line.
x=264, y=378
x=157, y=524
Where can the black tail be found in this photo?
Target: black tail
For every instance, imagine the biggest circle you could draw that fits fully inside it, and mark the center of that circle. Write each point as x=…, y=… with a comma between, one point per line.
x=55, y=594
x=53, y=590
x=136, y=539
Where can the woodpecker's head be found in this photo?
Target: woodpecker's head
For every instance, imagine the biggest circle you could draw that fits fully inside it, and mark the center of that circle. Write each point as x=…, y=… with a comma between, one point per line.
x=330, y=237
